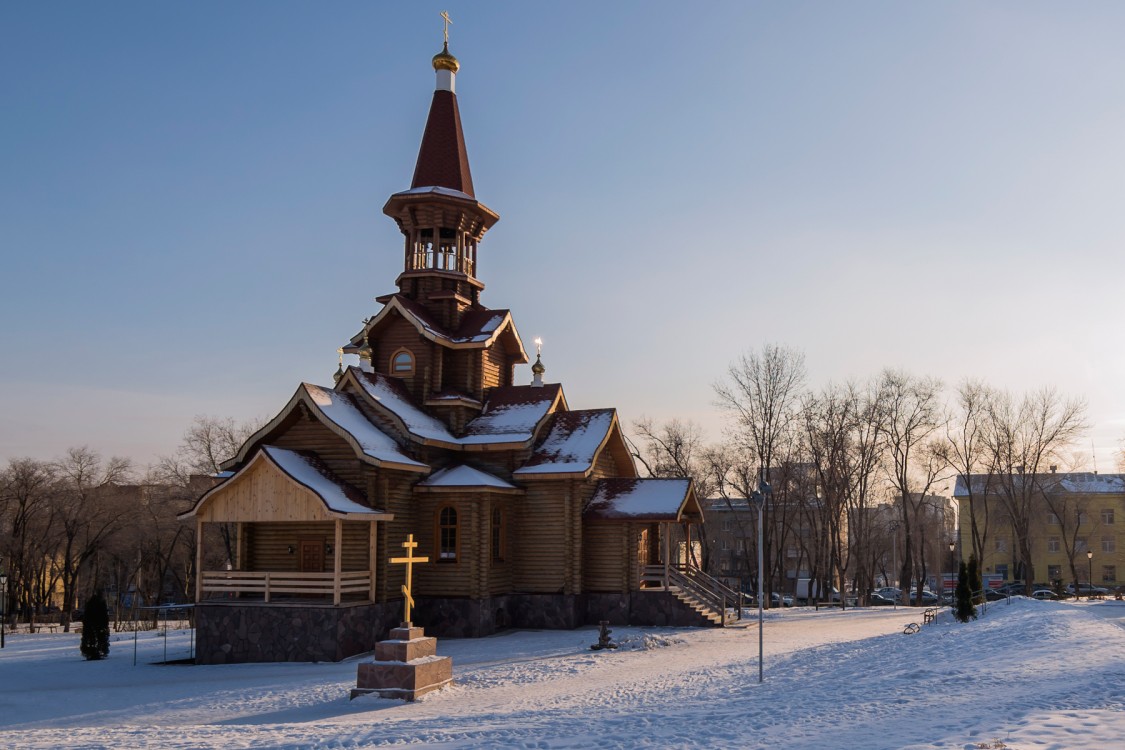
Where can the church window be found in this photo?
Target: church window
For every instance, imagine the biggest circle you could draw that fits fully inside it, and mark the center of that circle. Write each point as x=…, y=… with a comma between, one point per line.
x=447, y=534
x=497, y=535
x=402, y=363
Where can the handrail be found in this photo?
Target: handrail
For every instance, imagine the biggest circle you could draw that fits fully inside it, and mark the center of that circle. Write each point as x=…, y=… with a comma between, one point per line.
x=710, y=591
x=268, y=583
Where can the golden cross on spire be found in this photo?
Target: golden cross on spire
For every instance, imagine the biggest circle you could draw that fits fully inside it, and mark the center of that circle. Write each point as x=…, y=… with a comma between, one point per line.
x=409, y=560
x=445, y=15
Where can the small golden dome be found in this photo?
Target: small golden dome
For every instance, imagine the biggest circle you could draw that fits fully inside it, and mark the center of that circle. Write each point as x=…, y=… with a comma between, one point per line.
x=445, y=61
x=538, y=367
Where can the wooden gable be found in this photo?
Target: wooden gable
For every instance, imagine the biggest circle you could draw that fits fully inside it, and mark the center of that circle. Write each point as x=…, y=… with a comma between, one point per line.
x=262, y=491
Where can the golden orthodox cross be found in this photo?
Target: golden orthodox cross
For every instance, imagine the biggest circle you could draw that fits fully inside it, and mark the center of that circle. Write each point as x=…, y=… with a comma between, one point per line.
x=445, y=15
x=409, y=560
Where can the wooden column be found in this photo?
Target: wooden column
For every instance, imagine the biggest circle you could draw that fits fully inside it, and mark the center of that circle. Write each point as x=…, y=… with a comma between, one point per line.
x=337, y=552
x=370, y=557
x=239, y=540
x=666, y=529
x=198, y=559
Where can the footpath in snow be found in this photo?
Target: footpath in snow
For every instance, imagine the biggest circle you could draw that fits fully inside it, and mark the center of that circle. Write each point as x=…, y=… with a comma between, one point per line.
x=1026, y=675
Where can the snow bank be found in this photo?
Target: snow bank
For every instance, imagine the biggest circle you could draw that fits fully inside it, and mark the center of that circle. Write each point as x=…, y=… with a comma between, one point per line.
x=1029, y=674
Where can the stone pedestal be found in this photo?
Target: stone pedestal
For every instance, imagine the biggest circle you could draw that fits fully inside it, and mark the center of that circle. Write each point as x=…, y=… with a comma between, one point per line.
x=406, y=666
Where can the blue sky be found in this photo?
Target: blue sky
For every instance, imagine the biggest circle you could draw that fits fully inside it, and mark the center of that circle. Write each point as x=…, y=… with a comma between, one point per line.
x=190, y=198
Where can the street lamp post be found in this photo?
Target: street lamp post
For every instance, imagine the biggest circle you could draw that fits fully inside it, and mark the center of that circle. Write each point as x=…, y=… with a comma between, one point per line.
x=894, y=560
x=952, y=570
x=1090, y=573
x=758, y=498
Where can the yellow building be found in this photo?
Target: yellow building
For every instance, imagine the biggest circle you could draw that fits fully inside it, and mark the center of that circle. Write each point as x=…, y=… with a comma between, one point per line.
x=1071, y=516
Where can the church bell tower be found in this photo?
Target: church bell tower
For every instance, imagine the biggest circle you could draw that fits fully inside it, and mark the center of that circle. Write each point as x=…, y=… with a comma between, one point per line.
x=440, y=218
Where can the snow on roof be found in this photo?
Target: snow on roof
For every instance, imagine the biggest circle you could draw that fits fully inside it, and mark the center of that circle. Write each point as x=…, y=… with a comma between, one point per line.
x=436, y=190
x=343, y=412
x=392, y=395
x=639, y=499
x=313, y=475
x=572, y=443
x=1083, y=482
x=511, y=414
x=464, y=476
x=478, y=328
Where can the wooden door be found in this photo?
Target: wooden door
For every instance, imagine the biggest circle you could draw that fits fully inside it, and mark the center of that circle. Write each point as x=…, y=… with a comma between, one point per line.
x=310, y=556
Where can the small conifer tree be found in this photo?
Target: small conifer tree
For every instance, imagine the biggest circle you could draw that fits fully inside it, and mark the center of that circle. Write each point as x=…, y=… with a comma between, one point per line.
x=975, y=582
x=965, y=610
x=95, y=628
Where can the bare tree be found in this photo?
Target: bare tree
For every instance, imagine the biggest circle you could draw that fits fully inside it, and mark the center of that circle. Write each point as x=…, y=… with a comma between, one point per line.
x=677, y=449
x=25, y=493
x=206, y=444
x=968, y=455
x=762, y=395
x=828, y=422
x=913, y=418
x=1023, y=438
x=85, y=514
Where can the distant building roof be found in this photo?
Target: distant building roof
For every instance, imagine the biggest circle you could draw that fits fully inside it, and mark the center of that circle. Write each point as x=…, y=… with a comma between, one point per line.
x=1082, y=482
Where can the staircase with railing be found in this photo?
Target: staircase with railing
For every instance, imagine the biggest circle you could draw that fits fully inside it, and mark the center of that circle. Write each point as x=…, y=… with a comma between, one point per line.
x=710, y=597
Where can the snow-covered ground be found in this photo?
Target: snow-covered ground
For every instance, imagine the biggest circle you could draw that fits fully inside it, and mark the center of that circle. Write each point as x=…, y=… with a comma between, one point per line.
x=1027, y=675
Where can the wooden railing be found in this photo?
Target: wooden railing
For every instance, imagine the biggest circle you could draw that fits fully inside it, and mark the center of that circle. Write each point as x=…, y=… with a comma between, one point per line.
x=267, y=583
x=708, y=590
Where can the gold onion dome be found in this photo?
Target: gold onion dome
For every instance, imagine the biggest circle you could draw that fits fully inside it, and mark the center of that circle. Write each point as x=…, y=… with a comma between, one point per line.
x=445, y=61
x=538, y=367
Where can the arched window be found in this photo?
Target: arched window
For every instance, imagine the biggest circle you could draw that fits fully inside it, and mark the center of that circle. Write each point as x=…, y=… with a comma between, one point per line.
x=497, y=535
x=402, y=362
x=447, y=534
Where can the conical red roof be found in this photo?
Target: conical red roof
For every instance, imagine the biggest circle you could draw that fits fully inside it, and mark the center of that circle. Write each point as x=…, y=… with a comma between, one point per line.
x=442, y=159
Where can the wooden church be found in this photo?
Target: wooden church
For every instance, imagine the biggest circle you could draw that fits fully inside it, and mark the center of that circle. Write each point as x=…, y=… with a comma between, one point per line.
x=531, y=513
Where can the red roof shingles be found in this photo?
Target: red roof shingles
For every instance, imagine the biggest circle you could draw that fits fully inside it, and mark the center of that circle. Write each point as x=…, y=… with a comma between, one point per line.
x=621, y=499
x=572, y=443
x=442, y=158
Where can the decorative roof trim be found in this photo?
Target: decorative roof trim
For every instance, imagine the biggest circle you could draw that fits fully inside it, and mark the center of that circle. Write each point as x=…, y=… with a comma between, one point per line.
x=438, y=337
x=265, y=453
x=302, y=396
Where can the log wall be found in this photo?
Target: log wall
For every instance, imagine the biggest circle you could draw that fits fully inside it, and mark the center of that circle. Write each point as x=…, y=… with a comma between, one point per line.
x=267, y=544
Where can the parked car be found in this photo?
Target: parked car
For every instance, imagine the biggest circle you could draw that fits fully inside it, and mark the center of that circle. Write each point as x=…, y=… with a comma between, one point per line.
x=929, y=598
x=889, y=592
x=1045, y=594
x=1085, y=589
x=993, y=595
x=875, y=599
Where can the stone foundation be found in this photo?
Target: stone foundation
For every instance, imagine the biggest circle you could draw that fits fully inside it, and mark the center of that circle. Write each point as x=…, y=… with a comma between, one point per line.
x=258, y=632
x=229, y=633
